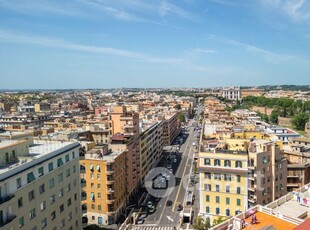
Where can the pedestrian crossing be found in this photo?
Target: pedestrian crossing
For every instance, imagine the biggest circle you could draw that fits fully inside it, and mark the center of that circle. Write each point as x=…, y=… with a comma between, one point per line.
x=153, y=228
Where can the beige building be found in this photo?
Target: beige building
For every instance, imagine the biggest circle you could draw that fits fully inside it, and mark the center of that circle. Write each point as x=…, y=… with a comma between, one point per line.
x=267, y=172
x=103, y=185
x=171, y=128
x=39, y=185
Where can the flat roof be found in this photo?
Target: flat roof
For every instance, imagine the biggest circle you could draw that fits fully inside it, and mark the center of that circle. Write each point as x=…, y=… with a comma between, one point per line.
x=41, y=151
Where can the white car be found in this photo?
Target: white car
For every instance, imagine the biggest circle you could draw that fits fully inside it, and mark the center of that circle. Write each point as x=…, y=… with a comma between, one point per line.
x=174, y=160
x=194, y=143
x=149, y=204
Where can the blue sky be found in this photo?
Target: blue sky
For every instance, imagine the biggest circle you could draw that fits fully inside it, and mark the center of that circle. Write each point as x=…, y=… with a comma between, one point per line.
x=158, y=43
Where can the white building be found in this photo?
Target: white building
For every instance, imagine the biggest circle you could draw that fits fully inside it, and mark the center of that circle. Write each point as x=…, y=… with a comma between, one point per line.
x=232, y=93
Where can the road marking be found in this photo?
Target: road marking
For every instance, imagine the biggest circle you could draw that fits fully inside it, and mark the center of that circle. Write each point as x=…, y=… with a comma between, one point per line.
x=169, y=218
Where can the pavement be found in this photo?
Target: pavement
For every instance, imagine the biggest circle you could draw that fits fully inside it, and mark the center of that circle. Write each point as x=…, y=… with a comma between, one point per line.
x=167, y=217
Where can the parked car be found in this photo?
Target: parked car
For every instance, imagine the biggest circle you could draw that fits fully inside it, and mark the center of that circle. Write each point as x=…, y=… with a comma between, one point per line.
x=140, y=221
x=180, y=207
x=149, y=204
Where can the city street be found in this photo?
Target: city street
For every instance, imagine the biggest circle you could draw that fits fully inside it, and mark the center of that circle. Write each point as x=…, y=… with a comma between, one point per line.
x=167, y=215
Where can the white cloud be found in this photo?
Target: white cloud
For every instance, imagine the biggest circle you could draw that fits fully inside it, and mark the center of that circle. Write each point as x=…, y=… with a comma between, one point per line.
x=61, y=44
x=166, y=8
x=207, y=51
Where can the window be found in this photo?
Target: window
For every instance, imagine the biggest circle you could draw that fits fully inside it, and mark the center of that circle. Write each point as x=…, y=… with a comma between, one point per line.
x=207, y=161
x=98, y=176
x=61, y=208
x=92, y=185
x=43, y=206
x=31, y=195
x=207, y=209
x=61, y=192
x=227, y=163
x=98, y=168
x=62, y=223
x=217, y=176
x=227, y=212
x=238, y=164
x=238, y=190
x=99, y=207
x=50, y=166
x=75, y=196
x=217, y=199
x=41, y=171
x=34, y=228
x=217, y=162
x=91, y=167
x=21, y=222
x=52, y=199
x=69, y=202
x=227, y=200
x=73, y=155
x=68, y=173
x=42, y=188
x=74, y=169
x=59, y=162
x=238, y=178
x=238, y=202
x=60, y=177
x=264, y=181
x=281, y=176
x=208, y=187
x=53, y=215
x=217, y=188
x=32, y=214
x=207, y=198
x=98, y=185
x=227, y=177
x=44, y=223
x=70, y=216
x=281, y=187
x=207, y=175
x=20, y=202
x=92, y=196
x=228, y=189
x=30, y=177
x=217, y=211
x=51, y=183
x=92, y=176
x=67, y=158
x=18, y=182
x=99, y=195
x=264, y=160
x=93, y=206
x=68, y=187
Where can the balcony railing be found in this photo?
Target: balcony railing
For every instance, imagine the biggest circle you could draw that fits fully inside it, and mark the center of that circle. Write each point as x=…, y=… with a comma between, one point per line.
x=6, y=198
x=9, y=219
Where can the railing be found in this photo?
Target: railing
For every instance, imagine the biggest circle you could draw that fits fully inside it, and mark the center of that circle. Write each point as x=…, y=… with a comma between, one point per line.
x=291, y=219
x=6, y=198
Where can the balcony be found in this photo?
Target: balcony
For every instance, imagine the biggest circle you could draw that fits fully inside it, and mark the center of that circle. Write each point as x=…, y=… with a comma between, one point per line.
x=252, y=188
x=293, y=176
x=83, y=182
x=109, y=172
x=6, y=198
x=111, y=212
x=293, y=185
x=84, y=208
x=110, y=182
x=83, y=196
x=110, y=201
x=9, y=219
x=252, y=177
x=110, y=191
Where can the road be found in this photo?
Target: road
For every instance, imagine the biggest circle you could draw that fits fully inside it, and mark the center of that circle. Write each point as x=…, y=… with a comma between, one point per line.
x=168, y=216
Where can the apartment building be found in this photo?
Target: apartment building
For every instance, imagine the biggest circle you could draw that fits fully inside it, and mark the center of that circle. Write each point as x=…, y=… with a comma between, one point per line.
x=151, y=146
x=267, y=172
x=298, y=166
x=103, y=186
x=171, y=128
x=39, y=185
x=223, y=182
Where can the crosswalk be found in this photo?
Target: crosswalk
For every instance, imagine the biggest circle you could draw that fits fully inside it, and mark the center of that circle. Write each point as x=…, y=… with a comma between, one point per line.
x=153, y=228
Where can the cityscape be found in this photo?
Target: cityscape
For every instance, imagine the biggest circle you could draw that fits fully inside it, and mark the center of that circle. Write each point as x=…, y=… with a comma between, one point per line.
x=154, y=115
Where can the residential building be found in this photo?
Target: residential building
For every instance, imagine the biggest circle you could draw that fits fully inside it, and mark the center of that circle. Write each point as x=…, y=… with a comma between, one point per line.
x=222, y=182
x=103, y=185
x=267, y=172
x=39, y=185
x=171, y=128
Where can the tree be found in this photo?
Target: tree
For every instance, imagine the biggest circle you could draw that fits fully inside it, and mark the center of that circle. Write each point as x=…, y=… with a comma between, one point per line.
x=299, y=121
x=201, y=224
x=181, y=117
x=274, y=117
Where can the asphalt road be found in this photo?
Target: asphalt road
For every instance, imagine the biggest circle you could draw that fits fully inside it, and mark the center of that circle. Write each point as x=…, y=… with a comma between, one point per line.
x=168, y=215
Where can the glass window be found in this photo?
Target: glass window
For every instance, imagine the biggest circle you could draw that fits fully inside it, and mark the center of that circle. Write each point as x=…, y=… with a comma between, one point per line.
x=69, y=187
x=264, y=160
x=207, y=198
x=61, y=208
x=52, y=199
x=21, y=222
x=217, y=211
x=60, y=177
x=91, y=167
x=99, y=195
x=99, y=207
x=51, y=183
x=20, y=202
x=42, y=205
x=217, y=162
x=207, y=175
x=50, y=166
x=18, y=182
x=98, y=176
x=227, y=212
x=69, y=202
x=227, y=163
x=208, y=187
x=68, y=173
x=42, y=188
x=228, y=189
x=32, y=213
x=74, y=169
x=238, y=164
x=217, y=199
x=67, y=158
x=227, y=200
x=31, y=195
x=207, y=209
x=30, y=177
x=59, y=162
x=44, y=223
x=98, y=185
x=98, y=168
x=41, y=171
x=207, y=161
x=61, y=192
x=238, y=190
x=217, y=188
x=238, y=178
x=53, y=215
x=238, y=202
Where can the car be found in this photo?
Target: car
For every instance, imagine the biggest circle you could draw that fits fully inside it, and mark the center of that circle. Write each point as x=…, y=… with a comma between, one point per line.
x=152, y=209
x=142, y=216
x=194, y=143
x=169, y=166
x=149, y=204
x=174, y=160
x=171, y=170
x=180, y=207
x=140, y=221
x=169, y=203
x=167, y=177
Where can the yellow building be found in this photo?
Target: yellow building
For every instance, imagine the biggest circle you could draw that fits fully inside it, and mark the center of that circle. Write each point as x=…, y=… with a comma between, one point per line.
x=103, y=185
x=223, y=182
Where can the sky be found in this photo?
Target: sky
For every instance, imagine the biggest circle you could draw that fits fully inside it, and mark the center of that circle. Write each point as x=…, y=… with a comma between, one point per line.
x=160, y=43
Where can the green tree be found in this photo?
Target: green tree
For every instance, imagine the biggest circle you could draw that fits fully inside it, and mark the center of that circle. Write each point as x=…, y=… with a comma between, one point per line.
x=274, y=117
x=218, y=221
x=201, y=224
x=181, y=117
x=299, y=121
